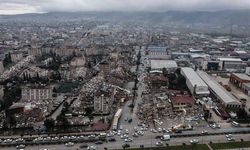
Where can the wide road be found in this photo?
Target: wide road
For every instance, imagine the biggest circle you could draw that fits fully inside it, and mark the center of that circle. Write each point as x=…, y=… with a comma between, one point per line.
x=147, y=142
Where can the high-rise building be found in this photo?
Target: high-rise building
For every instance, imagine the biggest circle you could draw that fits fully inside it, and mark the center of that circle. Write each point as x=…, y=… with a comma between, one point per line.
x=36, y=93
x=1, y=67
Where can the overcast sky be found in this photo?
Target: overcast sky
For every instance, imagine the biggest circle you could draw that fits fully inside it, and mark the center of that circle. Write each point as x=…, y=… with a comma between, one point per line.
x=33, y=6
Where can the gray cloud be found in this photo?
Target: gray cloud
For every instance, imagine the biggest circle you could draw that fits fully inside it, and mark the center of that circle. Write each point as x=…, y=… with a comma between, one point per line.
x=24, y=6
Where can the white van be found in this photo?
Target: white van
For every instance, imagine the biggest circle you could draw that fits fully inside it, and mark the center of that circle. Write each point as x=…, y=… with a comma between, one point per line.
x=165, y=137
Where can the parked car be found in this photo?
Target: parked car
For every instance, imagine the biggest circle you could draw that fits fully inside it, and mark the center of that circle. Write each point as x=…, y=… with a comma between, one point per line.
x=228, y=135
x=160, y=143
x=126, y=145
x=112, y=140
x=204, y=132
x=98, y=142
x=21, y=146
x=91, y=148
x=194, y=141
x=128, y=140
x=69, y=144
x=230, y=139
x=83, y=146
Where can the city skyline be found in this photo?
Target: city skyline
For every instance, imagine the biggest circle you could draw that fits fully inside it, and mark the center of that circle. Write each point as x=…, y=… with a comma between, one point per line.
x=32, y=6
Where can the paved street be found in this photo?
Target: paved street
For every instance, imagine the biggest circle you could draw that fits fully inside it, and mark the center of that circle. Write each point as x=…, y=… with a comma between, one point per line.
x=147, y=141
x=59, y=109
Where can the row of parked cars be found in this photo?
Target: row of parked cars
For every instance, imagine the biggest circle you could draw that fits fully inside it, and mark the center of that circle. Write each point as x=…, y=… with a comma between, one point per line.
x=20, y=142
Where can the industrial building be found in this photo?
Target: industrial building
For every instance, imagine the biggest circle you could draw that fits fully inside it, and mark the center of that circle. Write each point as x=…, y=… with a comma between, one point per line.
x=246, y=88
x=159, y=57
x=210, y=65
x=238, y=79
x=226, y=98
x=156, y=50
x=195, y=84
x=158, y=65
x=157, y=53
x=232, y=64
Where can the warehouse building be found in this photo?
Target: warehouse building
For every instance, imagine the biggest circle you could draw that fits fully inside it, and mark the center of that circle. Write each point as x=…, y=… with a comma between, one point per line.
x=246, y=88
x=226, y=98
x=238, y=79
x=232, y=64
x=195, y=84
x=157, y=53
x=158, y=65
x=156, y=50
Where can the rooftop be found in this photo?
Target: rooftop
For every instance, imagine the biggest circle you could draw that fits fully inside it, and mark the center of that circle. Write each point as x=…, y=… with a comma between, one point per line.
x=220, y=91
x=230, y=59
x=241, y=76
x=246, y=85
x=156, y=48
x=193, y=77
x=182, y=99
x=158, y=64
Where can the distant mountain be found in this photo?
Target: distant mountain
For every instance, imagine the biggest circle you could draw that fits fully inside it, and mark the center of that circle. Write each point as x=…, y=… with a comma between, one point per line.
x=227, y=17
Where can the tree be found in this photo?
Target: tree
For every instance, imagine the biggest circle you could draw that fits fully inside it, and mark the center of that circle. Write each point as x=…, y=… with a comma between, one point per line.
x=242, y=114
x=7, y=59
x=29, y=77
x=88, y=110
x=164, y=72
x=91, y=117
x=24, y=76
x=66, y=105
x=54, y=90
x=49, y=124
x=178, y=71
x=37, y=76
x=62, y=120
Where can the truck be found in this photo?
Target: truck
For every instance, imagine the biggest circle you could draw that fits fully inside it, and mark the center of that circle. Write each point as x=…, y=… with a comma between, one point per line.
x=116, y=119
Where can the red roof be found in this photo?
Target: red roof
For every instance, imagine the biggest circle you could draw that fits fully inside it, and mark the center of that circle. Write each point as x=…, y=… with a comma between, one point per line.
x=99, y=126
x=182, y=99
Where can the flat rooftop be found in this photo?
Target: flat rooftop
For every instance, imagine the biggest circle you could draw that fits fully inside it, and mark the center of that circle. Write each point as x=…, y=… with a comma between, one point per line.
x=230, y=59
x=156, y=48
x=241, y=76
x=220, y=91
x=158, y=64
x=193, y=77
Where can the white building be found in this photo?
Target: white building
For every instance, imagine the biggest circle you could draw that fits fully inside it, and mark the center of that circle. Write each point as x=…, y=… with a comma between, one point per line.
x=195, y=84
x=160, y=64
x=1, y=92
x=36, y=93
x=78, y=62
x=1, y=67
x=232, y=64
x=16, y=56
x=247, y=70
x=101, y=104
x=226, y=98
